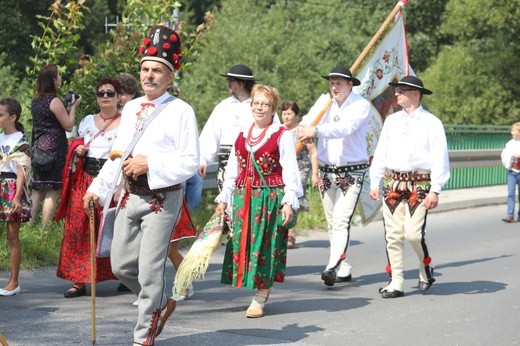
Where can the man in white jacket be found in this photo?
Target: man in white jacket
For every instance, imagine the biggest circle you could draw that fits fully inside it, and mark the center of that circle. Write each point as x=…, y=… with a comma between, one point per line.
x=166, y=155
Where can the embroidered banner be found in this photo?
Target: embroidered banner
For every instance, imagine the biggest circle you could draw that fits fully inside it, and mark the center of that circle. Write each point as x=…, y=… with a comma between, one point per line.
x=388, y=62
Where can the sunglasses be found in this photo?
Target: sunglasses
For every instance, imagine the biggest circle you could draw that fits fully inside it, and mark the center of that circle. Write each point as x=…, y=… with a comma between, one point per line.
x=107, y=93
x=400, y=90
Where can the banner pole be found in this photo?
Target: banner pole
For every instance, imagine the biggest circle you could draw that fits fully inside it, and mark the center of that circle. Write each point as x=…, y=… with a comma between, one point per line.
x=377, y=35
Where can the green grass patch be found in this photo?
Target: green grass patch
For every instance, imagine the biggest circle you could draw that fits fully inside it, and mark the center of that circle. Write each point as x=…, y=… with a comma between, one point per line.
x=40, y=247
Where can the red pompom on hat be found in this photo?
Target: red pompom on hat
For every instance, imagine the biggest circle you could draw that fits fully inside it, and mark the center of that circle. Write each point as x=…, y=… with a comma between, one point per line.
x=152, y=51
x=160, y=43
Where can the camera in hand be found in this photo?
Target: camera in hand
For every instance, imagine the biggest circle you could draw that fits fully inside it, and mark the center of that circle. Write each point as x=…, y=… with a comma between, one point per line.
x=69, y=95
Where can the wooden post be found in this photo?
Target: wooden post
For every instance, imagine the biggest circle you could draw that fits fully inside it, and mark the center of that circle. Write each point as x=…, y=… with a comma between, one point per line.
x=377, y=35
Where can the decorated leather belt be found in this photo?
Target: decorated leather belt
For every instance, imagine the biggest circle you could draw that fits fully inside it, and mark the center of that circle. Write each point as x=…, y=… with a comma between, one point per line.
x=141, y=187
x=420, y=174
x=92, y=166
x=7, y=175
x=342, y=168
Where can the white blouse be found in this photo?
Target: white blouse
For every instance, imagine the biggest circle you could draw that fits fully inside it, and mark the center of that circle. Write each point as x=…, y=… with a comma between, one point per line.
x=102, y=144
x=290, y=172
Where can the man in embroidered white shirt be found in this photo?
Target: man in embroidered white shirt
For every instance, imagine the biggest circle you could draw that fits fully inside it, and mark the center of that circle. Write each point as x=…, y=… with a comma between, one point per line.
x=228, y=117
x=343, y=160
x=165, y=156
x=411, y=158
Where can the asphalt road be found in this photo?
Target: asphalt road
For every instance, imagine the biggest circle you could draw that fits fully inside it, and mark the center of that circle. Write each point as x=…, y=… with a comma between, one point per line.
x=474, y=301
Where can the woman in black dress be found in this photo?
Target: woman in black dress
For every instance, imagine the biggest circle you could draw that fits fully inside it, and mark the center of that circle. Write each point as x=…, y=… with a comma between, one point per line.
x=50, y=121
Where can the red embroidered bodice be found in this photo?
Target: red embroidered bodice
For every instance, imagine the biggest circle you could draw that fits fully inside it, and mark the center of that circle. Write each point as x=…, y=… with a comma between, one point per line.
x=267, y=157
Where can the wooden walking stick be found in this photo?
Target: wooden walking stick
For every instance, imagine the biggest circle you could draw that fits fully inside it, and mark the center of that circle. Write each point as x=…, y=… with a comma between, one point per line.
x=3, y=341
x=93, y=269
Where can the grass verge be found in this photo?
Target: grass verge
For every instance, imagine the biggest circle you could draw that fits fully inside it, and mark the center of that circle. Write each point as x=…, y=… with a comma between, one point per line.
x=41, y=247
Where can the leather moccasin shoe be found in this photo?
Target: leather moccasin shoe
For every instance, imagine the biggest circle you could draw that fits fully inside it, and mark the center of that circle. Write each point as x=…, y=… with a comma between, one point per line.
x=122, y=288
x=188, y=294
x=329, y=277
x=75, y=291
x=6, y=293
x=392, y=294
x=167, y=311
x=508, y=219
x=347, y=278
x=425, y=286
x=255, y=310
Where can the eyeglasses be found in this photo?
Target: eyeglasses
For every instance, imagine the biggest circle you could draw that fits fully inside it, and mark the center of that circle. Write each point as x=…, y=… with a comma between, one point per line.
x=262, y=104
x=400, y=91
x=107, y=93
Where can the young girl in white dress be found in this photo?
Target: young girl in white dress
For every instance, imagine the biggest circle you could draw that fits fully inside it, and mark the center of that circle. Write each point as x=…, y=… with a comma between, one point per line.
x=15, y=206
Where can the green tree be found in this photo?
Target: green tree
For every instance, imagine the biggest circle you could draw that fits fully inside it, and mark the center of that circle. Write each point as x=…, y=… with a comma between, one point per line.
x=288, y=45
x=423, y=19
x=18, y=24
x=476, y=78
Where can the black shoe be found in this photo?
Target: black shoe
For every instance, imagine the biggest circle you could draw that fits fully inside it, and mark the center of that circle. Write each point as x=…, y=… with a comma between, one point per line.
x=329, y=276
x=347, y=278
x=75, y=291
x=122, y=288
x=425, y=286
x=392, y=294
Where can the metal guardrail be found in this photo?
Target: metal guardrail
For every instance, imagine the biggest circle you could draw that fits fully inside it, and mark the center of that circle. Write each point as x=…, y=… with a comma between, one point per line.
x=475, y=158
x=458, y=159
x=210, y=180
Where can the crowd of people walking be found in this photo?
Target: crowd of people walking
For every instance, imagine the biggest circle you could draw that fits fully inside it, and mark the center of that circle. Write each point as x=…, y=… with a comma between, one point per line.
x=138, y=152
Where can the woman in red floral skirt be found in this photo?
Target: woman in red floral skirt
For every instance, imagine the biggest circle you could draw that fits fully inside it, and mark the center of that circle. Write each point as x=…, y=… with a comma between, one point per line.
x=86, y=156
x=263, y=182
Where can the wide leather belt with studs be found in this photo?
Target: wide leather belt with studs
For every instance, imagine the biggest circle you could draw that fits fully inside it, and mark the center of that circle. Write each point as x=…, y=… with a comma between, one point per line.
x=342, y=168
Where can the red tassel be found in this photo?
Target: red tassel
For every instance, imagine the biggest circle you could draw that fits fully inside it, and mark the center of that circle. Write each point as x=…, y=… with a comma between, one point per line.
x=427, y=260
x=244, y=233
x=388, y=269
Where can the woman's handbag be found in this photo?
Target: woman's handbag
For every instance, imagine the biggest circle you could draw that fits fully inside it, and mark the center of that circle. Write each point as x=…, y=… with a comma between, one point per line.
x=41, y=160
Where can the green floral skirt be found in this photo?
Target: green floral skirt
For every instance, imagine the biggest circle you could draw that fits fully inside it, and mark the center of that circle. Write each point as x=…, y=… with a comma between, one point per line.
x=262, y=260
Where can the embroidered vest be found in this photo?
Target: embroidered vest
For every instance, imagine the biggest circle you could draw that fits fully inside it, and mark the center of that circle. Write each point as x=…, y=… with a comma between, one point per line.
x=267, y=157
